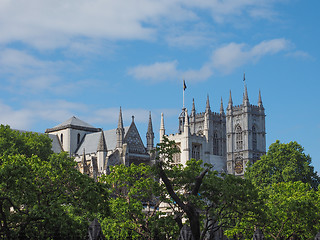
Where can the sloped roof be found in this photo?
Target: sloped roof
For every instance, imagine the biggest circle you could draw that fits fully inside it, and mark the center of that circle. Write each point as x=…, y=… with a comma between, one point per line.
x=74, y=123
x=56, y=146
x=91, y=141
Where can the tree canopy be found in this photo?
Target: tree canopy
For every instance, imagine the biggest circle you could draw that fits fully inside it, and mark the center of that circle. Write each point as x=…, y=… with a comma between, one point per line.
x=288, y=192
x=284, y=162
x=42, y=194
x=209, y=200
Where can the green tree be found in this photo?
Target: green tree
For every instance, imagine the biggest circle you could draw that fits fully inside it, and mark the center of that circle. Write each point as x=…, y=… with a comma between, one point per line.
x=288, y=192
x=290, y=210
x=42, y=195
x=284, y=162
x=208, y=201
x=133, y=205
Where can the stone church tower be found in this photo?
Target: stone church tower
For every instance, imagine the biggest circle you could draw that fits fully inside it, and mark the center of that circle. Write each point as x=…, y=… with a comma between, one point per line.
x=246, y=134
x=228, y=141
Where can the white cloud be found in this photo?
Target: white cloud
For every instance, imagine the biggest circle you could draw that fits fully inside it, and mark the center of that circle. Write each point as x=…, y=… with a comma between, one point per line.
x=300, y=55
x=23, y=73
x=224, y=59
x=234, y=55
x=17, y=119
x=165, y=71
x=54, y=24
x=159, y=71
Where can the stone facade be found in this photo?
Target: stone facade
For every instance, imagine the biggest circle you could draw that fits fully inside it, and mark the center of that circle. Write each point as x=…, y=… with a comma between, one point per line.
x=96, y=150
x=227, y=141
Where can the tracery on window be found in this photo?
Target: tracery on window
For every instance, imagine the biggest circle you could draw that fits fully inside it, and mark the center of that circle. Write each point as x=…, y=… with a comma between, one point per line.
x=254, y=138
x=176, y=158
x=239, y=140
x=195, y=151
x=215, y=144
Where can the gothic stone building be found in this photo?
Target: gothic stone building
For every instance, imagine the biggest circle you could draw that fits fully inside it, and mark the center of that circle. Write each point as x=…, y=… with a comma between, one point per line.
x=228, y=141
x=96, y=150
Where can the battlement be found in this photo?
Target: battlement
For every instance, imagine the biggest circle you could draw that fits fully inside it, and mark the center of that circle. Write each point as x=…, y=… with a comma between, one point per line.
x=254, y=108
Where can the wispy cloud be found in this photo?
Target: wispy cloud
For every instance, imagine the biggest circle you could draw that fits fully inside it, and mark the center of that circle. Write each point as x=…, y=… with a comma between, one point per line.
x=156, y=72
x=224, y=59
x=234, y=55
x=25, y=74
x=50, y=25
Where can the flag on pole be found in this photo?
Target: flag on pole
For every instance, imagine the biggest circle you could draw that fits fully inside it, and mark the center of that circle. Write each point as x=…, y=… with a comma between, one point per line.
x=184, y=85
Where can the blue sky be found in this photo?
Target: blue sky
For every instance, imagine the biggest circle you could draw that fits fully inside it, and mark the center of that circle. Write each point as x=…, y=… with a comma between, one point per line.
x=88, y=58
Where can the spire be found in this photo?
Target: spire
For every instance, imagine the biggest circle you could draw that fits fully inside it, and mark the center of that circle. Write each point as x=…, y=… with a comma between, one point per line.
x=221, y=107
x=246, y=93
x=120, y=122
x=150, y=134
x=260, y=100
x=230, y=103
x=102, y=146
x=193, y=111
x=245, y=96
x=208, y=104
x=120, y=131
x=150, y=128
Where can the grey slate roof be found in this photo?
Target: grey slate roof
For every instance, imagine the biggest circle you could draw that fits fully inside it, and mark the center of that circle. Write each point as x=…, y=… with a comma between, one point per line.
x=75, y=123
x=91, y=141
x=56, y=146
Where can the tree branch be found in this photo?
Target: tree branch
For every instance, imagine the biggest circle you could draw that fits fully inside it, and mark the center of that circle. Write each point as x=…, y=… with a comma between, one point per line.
x=199, y=182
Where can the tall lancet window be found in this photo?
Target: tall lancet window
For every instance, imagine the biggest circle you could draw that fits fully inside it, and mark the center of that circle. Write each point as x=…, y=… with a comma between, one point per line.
x=195, y=151
x=215, y=144
x=239, y=140
x=176, y=157
x=61, y=138
x=254, y=138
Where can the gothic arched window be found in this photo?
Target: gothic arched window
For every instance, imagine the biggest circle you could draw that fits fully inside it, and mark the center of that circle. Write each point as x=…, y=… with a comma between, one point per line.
x=195, y=151
x=239, y=140
x=254, y=138
x=61, y=138
x=177, y=156
x=215, y=144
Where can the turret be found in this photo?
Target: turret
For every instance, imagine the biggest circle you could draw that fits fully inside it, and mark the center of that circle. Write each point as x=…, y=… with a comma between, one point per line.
x=245, y=97
x=260, y=105
x=230, y=103
x=221, y=108
x=181, y=120
x=193, y=111
x=186, y=122
x=101, y=153
x=162, y=129
x=120, y=131
x=150, y=134
x=208, y=105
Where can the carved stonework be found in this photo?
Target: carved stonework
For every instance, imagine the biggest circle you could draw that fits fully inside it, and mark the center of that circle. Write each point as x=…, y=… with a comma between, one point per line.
x=134, y=141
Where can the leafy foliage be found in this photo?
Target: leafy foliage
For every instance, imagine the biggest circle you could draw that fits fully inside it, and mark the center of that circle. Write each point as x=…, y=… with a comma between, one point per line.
x=210, y=201
x=133, y=205
x=42, y=195
x=288, y=193
x=283, y=163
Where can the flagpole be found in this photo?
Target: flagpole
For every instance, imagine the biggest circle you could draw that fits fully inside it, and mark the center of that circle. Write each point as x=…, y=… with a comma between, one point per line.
x=183, y=95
